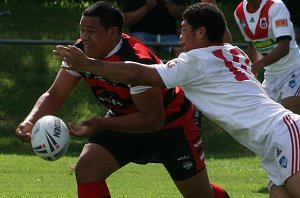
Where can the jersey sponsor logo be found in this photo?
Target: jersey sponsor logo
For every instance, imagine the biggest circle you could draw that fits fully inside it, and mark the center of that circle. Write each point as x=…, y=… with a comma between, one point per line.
x=281, y=23
x=185, y=157
x=265, y=46
x=283, y=162
x=263, y=23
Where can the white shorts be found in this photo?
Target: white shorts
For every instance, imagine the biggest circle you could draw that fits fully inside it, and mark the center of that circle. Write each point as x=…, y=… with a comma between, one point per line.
x=282, y=151
x=283, y=85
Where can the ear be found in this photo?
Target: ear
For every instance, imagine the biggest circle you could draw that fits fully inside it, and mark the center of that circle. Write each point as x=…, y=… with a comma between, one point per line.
x=114, y=31
x=201, y=32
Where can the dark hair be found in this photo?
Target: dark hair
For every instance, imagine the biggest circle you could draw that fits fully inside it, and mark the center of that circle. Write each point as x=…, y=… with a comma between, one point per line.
x=108, y=14
x=208, y=16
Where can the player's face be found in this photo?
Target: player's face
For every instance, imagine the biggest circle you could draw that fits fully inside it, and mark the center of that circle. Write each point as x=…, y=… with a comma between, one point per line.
x=188, y=37
x=97, y=41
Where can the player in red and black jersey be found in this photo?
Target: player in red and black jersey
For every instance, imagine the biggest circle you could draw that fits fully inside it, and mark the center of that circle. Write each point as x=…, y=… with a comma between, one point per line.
x=143, y=124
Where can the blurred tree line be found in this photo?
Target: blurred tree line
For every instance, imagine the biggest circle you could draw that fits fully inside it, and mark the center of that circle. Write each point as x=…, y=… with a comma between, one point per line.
x=224, y=4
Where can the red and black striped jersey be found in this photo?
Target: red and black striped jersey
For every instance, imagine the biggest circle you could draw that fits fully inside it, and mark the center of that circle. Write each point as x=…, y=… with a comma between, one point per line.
x=116, y=96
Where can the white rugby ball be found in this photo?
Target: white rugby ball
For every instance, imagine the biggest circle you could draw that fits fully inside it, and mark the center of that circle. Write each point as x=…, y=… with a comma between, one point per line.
x=50, y=138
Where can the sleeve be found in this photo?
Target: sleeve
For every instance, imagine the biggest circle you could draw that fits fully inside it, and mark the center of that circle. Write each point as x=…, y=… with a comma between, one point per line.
x=185, y=72
x=139, y=89
x=280, y=20
x=73, y=73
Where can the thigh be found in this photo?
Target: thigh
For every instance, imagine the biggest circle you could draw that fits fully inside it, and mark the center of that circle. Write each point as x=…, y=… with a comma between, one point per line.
x=281, y=157
x=279, y=192
x=181, y=151
x=124, y=147
x=292, y=185
x=95, y=163
x=292, y=103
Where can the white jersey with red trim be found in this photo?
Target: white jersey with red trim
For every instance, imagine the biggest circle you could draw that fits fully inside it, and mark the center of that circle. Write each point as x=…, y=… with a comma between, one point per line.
x=263, y=26
x=217, y=79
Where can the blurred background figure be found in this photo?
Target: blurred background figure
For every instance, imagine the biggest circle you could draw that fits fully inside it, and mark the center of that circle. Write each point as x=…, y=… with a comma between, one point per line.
x=294, y=7
x=266, y=26
x=154, y=21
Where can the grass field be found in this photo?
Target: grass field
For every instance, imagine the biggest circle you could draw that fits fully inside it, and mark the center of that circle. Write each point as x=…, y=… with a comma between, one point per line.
x=26, y=71
x=23, y=176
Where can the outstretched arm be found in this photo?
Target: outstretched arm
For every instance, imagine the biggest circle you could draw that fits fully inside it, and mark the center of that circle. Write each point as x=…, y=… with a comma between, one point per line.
x=128, y=72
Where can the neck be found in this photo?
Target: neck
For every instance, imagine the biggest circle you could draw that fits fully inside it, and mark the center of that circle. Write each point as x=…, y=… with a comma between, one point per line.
x=253, y=4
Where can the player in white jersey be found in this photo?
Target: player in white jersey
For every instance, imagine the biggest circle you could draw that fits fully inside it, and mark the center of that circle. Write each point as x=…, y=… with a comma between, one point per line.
x=266, y=25
x=216, y=77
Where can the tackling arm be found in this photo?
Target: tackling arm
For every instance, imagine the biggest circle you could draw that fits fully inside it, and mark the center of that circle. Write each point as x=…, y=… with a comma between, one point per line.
x=129, y=72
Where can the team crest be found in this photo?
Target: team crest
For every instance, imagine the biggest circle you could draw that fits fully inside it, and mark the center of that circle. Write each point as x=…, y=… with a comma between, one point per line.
x=187, y=165
x=292, y=84
x=263, y=23
x=243, y=24
x=283, y=162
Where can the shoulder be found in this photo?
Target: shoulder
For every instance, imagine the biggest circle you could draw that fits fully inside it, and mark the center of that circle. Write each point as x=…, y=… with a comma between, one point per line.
x=133, y=50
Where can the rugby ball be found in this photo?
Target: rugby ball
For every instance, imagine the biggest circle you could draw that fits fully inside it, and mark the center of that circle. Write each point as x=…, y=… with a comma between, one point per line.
x=50, y=138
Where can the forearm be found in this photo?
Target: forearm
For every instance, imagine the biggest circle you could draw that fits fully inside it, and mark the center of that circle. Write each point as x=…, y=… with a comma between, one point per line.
x=45, y=105
x=127, y=72
x=174, y=9
x=252, y=53
x=131, y=18
x=132, y=123
x=111, y=70
x=278, y=53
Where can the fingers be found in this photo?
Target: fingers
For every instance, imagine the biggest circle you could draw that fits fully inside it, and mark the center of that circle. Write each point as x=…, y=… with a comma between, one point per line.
x=62, y=52
x=23, y=136
x=75, y=130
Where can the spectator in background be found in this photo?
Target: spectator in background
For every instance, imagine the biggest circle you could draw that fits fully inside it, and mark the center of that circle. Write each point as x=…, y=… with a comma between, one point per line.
x=154, y=21
x=266, y=25
x=294, y=7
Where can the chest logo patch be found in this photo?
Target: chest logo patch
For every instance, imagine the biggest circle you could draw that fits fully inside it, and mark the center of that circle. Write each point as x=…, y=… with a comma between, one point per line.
x=263, y=23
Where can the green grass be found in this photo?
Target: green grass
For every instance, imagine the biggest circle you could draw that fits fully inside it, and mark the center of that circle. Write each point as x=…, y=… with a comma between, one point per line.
x=26, y=71
x=30, y=176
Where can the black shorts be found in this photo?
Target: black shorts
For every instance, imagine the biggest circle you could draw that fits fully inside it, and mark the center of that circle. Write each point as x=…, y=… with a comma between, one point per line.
x=178, y=149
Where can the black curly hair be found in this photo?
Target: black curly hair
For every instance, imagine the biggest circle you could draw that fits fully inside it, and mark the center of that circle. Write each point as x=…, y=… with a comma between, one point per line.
x=108, y=14
x=208, y=16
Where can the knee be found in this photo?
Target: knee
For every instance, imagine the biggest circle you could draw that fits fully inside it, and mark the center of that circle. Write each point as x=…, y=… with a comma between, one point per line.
x=83, y=168
x=86, y=165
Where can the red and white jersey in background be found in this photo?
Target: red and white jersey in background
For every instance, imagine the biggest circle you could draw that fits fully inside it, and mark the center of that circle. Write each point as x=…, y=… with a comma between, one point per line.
x=217, y=79
x=262, y=26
